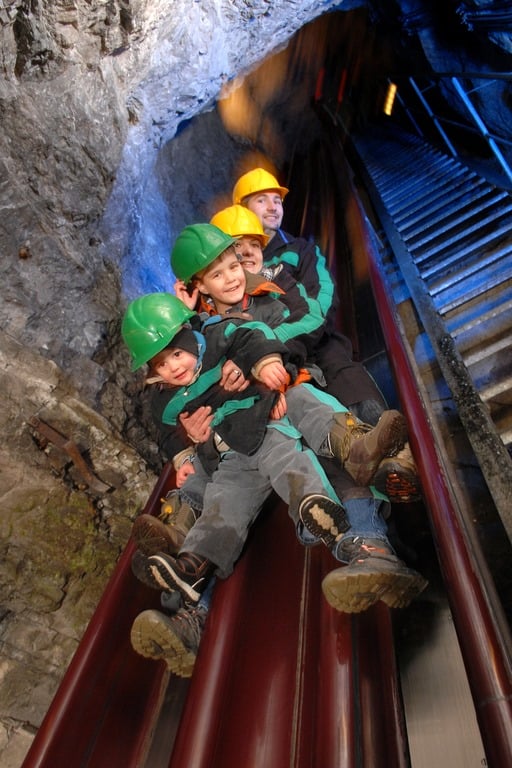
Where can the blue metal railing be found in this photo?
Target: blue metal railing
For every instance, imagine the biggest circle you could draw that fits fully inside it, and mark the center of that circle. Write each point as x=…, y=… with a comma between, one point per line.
x=475, y=124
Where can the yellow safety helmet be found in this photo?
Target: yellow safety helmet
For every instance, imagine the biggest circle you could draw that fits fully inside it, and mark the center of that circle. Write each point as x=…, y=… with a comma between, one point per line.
x=257, y=180
x=238, y=221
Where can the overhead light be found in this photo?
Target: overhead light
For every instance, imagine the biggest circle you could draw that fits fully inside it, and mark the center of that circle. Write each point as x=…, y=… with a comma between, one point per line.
x=390, y=98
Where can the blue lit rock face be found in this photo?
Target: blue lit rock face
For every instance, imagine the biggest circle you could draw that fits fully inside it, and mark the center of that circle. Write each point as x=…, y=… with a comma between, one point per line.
x=189, y=66
x=191, y=179
x=90, y=95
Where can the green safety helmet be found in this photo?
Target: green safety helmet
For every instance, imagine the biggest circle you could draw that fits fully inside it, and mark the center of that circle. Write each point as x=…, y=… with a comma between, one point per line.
x=150, y=323
x=196, y=247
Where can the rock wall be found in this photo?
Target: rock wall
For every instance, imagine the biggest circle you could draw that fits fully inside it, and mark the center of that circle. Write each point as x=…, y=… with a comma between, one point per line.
x=90, y=93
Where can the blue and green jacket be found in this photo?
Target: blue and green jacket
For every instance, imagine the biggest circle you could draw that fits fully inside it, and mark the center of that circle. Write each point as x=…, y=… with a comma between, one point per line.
x=240, y=418
x=306, y=263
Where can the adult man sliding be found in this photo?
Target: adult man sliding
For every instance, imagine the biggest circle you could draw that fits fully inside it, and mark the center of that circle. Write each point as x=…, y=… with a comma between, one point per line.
x=347, y=380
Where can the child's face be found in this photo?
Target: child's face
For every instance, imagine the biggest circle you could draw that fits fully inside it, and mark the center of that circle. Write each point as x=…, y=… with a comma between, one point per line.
x=223, y=280
x=175, y=366
x=268, y=207
x=249, y=253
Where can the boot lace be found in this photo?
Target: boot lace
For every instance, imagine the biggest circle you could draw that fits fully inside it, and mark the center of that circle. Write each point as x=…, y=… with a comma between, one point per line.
x=359, y=549
x=189, y=623
x=351, y=429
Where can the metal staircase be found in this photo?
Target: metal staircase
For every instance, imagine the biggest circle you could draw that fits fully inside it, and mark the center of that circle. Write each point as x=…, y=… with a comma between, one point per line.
x=450, y=233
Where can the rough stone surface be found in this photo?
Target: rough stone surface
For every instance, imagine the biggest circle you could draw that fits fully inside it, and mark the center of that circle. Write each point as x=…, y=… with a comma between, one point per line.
x=103, y=159
x=89, y=95
x=59, y=537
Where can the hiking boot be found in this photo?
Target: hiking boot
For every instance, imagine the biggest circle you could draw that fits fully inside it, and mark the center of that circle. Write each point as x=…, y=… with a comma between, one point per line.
x=173, y=639
x=174, y=511
x=188, y=573
x=397, y=477
x=323, y=517
x=361, y=448
x=373, y=573
x=165, y=533
x=142, y=571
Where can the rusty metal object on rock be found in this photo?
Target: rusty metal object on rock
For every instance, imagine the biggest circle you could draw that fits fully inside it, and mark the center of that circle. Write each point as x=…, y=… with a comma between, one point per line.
x=71, y=448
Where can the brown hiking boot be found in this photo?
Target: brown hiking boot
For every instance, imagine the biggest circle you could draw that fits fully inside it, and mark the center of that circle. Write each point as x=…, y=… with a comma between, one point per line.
x=373, y=573
x=173, y=639
x=165, y=533
x=142, y=572
x=397, y=477
x=188, y=573
x=361, y=448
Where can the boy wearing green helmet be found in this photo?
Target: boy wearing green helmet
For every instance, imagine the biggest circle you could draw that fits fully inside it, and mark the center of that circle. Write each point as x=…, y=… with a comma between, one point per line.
x=205, y=259
x=156, y=330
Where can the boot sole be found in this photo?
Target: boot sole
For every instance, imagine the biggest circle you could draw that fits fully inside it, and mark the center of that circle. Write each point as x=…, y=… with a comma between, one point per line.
x=355, y=591
x=153, y=536
x=400, y=485
x=142, y=572
x=152, y=637
x=169, y=580
x=402, y=594
x=322, y=524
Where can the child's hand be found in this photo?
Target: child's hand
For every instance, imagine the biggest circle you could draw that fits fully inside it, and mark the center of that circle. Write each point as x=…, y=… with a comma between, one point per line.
x=274, y=375
x=186, y=469
x=197, y=425
x=189, y=299
x=280, y=408
x=233, y=379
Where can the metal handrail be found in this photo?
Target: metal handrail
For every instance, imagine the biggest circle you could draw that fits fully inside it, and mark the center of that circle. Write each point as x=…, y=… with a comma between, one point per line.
x=482, y=127
x=497, y=18
x=483, y=635
x=470, y=75
x=476, y=127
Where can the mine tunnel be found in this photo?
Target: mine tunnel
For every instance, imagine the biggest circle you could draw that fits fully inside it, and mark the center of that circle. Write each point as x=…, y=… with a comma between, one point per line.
x=391, y=173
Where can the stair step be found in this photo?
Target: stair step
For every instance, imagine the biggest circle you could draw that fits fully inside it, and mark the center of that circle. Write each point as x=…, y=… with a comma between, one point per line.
x=467, y=219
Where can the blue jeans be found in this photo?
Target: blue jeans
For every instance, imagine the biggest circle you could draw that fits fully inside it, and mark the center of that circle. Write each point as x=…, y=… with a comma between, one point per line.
x=366, y=517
